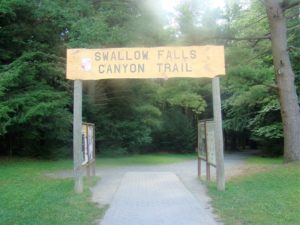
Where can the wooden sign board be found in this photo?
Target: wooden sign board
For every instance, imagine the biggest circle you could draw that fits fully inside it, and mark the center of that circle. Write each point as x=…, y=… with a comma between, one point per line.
x=88, y=143
x=201, y=139
x=206, y=141
x=158, y=62
x=210, y=140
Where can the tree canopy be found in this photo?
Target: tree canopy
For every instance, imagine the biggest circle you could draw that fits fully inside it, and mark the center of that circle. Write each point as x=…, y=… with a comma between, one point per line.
x=138, y=116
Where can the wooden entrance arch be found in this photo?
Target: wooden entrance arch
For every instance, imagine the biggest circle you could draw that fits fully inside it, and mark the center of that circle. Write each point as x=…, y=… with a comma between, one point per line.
x=143, y=63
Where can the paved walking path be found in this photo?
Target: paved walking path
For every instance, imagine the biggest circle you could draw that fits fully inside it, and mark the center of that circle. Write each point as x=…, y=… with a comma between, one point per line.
x=109, y=188
x=155, y=198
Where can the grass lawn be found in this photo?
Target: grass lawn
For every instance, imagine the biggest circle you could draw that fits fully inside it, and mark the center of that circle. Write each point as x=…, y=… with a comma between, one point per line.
x=29, y=198
x=147, y=159
x=270, y=197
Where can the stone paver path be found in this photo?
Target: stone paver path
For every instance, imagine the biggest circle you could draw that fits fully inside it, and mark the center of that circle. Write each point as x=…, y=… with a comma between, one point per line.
x=155, y=198
x=107, y=190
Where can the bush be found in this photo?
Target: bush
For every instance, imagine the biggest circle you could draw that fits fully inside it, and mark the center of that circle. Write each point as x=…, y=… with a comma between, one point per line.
x=176, y=134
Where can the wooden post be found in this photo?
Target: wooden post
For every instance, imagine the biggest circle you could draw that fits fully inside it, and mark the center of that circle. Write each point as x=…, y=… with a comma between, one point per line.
x=93, y=165
x=88, y=165
x=206, y=154
x=218, y=134
x=207, y=170
x=199, y=167
x=198, y=149
x=77, y=136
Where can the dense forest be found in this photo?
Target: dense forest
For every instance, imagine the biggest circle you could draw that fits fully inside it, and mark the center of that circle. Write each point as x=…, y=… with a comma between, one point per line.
x=138, y=116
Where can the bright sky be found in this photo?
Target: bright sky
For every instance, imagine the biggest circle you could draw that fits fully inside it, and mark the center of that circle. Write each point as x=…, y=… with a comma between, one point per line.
x=170, y=5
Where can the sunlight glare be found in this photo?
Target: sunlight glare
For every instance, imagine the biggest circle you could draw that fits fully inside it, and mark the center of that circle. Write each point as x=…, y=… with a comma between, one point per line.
x=170, y=5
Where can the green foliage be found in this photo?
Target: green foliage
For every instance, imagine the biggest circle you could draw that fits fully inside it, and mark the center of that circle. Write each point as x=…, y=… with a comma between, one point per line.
x=182, y=93
x=265, y=121
x=198, y=23
x=141, y=112
x=125, y=113
x=176, y=134
x=269, y=197
x=34, y=111
x=84, y=36
x=251, y=94
x=249, y=89
x=27, y=196
x=251, y=105
x=149, y=115
x=132, y=116
x=30, y=26
x=34, y=101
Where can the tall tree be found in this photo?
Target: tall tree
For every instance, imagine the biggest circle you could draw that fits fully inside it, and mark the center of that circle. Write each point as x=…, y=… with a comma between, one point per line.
x=240, y=17
x=34, y=95
x=285, y=77
x=283, y=19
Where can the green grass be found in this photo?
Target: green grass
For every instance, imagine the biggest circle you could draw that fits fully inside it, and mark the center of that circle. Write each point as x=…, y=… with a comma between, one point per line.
x=27, y=197
x=265, y=161
x=149, y=159
x=271, y=197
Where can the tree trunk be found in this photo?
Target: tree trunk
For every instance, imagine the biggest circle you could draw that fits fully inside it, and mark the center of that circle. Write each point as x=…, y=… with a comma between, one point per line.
x=285, y=79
